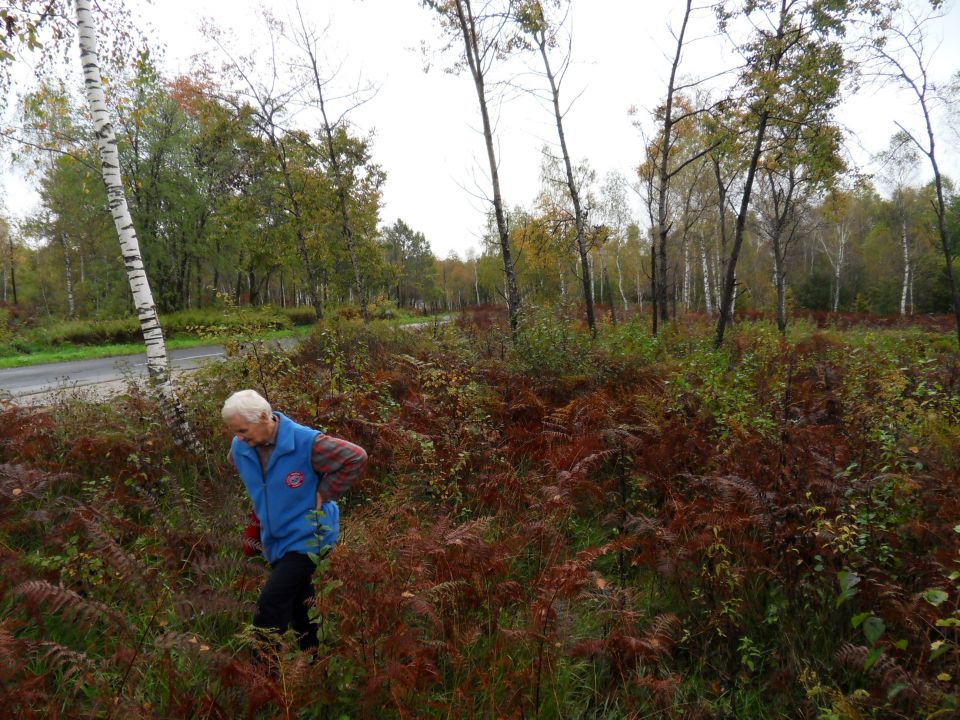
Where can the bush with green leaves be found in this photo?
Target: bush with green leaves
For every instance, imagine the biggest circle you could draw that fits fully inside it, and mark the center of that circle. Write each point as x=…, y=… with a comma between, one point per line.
x=549, y=345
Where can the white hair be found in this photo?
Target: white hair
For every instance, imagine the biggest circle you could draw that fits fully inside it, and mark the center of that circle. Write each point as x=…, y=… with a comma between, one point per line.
x=248, y=404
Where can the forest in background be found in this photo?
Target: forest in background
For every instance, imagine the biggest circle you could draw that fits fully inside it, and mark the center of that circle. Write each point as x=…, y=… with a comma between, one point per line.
x=236, y=201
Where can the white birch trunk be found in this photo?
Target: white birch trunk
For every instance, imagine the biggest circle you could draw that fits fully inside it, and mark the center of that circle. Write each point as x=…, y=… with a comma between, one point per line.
x=157, y=366
x=705, y=268
x=906, y=269
x=687, y=275
x=476, y=280
x=623, y=297
x=68, y=277
x=838, y=267
x=563, y=283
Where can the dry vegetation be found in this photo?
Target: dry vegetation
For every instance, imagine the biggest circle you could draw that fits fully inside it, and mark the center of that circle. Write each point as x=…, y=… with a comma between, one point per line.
x=623, y=528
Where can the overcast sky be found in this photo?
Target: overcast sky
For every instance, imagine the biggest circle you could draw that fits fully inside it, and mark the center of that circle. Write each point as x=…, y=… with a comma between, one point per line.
x=426, y=123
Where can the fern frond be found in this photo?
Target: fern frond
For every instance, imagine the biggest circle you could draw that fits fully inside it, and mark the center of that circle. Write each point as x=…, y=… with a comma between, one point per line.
x=19, y=481
x=66, y=660
x=71, y=605
x=116, y=556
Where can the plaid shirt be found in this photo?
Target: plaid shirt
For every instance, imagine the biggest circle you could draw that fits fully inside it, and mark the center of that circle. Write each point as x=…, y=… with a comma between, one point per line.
x=337, y=462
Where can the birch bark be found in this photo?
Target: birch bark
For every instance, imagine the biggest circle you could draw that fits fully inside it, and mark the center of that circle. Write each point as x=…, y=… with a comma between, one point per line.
x=157, y=365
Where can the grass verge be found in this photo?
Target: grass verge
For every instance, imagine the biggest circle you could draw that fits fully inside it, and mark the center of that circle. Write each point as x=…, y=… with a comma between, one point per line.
x=93, y=352
x=70, y=353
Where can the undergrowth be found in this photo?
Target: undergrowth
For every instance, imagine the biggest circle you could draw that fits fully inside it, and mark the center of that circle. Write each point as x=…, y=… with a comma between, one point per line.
x=561, y=527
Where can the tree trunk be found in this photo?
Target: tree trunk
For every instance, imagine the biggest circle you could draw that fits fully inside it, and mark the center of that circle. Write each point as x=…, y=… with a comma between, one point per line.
x=664, y=171
x=474, y=60
x=591, y=289
x=157, y=365
x=654, y=291
x=616, y=257
x=838, y=267
x=941, y=209
x=705, y=267
x=67, y=276
x=605, y=279
x=779, y=278
x=906, y=269
x=720, y=267
x=578, y=213
x=476, y=280
x=345, y=224
x=730, y=281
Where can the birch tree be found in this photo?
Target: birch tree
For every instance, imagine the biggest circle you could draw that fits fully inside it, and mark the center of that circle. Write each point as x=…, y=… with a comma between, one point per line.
x=307, y=41
x=157, y=364
x=482, y=28
x=804, y=159
x=898, y=165
x=793, y=64
x=905, y=58
x=544, y=31
x=615, y=214
x=833, y=236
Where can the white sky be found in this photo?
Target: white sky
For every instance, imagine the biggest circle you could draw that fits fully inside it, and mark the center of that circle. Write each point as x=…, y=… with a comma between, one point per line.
x=426, y=125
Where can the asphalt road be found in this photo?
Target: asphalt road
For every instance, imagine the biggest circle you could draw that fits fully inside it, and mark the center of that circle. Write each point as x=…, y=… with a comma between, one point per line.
x=37, y=383
x=18, y=383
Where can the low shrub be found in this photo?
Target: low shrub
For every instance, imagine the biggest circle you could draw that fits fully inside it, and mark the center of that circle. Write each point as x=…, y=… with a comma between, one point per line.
x=383, y=309
x=348, y=312
x=87, y=332
x=301, y=315
x=196, y=323
x=6, y=326
x=225, y=321
x=548, y=345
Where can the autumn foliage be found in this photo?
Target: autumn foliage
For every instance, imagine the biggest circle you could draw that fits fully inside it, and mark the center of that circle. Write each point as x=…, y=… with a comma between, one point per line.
x=625, y=527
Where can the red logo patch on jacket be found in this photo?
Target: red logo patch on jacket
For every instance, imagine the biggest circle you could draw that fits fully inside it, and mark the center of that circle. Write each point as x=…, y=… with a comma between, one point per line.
x=294, y=479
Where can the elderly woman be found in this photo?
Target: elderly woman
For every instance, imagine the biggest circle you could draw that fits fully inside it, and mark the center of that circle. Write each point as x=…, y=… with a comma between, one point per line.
x=293, y=475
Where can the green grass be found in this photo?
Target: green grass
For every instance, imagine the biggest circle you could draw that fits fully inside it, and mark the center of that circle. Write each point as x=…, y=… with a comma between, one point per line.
x=40, y=355
x=92, y=352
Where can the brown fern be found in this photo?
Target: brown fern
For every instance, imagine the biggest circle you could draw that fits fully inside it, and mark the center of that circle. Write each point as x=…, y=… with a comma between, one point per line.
x=19, y=481
x=71, y=606
x=126, y=567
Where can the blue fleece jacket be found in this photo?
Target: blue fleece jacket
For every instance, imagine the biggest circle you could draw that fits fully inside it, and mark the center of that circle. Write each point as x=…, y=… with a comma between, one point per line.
x=285, y=497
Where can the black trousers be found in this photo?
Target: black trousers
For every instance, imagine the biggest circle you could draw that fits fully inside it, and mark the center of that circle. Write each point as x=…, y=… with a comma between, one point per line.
x=283, y=600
